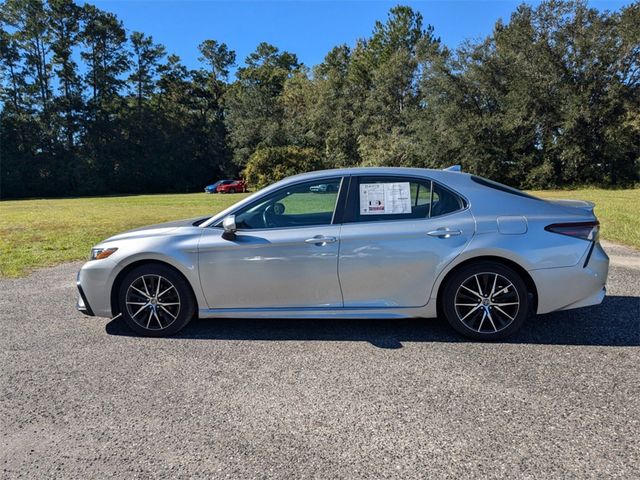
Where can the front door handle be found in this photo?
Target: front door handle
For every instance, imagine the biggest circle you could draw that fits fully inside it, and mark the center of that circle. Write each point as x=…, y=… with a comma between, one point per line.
x=321, y=240
x=444, y=232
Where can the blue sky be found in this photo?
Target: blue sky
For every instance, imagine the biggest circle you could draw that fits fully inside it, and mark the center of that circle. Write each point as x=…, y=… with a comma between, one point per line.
x=305, y=27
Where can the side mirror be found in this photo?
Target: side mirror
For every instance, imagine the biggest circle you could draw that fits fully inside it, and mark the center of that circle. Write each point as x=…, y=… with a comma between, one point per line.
x=229, y=225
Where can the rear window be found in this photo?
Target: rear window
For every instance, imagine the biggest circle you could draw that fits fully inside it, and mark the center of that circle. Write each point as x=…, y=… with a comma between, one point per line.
x=503, y=188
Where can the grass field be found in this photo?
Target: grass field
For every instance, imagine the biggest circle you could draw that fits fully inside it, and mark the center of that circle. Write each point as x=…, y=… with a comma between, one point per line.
x=617, y=210
x=39, y=233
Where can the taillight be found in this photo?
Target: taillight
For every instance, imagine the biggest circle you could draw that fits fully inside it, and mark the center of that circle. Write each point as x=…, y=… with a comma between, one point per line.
x=583, y=230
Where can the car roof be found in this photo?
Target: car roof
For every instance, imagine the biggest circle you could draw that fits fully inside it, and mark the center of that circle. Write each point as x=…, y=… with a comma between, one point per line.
x=453, y=179
x=481, y=198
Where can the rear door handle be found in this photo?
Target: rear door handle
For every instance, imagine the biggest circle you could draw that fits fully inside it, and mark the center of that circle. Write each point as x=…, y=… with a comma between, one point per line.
x=321, y=240
x=444, y=232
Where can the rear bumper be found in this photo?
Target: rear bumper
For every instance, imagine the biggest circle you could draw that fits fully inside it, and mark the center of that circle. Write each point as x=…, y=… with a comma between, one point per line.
x=594, y=299
x=581, y=285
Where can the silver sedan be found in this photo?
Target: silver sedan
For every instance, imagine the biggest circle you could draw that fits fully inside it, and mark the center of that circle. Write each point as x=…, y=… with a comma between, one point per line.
x=369, y=243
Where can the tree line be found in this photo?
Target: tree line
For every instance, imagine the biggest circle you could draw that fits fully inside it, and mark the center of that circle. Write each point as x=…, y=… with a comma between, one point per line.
x=548, y=99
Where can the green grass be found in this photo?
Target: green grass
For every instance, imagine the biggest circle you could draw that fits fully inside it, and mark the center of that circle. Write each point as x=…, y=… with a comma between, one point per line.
x=40, y=233
x=617, y=210
x=305, y=202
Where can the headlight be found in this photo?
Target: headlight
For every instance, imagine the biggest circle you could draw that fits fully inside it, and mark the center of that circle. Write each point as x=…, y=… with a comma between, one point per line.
x=100, y=253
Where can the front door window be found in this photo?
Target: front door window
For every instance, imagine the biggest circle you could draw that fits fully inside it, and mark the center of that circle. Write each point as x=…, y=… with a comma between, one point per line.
x=301, y=205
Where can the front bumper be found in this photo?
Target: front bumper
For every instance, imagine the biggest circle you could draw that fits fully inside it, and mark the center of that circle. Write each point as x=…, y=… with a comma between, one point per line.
x=82, y=305
x=94, y=282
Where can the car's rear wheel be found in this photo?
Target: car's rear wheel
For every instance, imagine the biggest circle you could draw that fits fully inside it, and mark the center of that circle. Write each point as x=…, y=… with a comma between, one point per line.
x=155, y=300
x=232, y=190
x=485, y=301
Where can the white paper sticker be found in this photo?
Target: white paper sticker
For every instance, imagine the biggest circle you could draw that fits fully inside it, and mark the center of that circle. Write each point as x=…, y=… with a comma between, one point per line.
x=385, y=198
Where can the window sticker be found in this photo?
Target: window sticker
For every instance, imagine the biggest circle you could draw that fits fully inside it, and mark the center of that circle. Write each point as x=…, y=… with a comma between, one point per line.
x=385, y=198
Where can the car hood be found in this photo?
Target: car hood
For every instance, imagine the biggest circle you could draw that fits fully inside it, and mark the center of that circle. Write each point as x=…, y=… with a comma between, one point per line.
x=156, y=230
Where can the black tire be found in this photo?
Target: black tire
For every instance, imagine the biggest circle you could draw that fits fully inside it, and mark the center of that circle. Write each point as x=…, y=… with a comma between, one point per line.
x=232, y=190
x=491, y=318
x=163, y=309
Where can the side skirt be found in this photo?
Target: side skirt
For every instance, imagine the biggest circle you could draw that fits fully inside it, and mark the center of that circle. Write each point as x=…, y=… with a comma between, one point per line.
x=373, y=313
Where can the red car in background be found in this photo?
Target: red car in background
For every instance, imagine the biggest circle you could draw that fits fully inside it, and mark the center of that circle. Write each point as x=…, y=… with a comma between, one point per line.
x=232, y=187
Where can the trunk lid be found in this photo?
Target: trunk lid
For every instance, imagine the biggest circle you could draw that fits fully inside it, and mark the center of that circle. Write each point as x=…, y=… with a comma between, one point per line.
x=581, y=205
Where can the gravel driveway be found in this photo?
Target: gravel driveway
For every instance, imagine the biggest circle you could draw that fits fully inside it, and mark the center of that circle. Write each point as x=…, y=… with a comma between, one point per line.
x=82, y=398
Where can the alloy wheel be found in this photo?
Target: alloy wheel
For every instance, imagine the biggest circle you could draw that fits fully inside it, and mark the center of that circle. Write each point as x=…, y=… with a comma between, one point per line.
x=153, y=302
x=487, y=302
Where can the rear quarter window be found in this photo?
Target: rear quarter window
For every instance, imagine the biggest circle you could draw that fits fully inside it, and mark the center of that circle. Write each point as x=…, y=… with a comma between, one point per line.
x=444, y=201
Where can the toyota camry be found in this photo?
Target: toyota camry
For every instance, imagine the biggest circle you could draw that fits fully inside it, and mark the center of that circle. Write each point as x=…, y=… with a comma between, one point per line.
x=357, y=243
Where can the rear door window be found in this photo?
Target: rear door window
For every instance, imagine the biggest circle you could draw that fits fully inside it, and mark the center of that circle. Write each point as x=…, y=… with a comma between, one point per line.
x=378, y=198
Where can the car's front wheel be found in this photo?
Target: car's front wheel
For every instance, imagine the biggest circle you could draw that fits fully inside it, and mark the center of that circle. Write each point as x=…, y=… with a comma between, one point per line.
x=155, y=300
x=485, y=301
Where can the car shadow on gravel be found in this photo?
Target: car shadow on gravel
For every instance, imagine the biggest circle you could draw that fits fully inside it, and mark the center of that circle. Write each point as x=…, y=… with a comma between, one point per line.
x=616, y=322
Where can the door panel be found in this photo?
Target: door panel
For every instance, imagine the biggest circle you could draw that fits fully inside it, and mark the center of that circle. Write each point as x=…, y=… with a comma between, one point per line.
x=271, y=268
x=395, y=263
